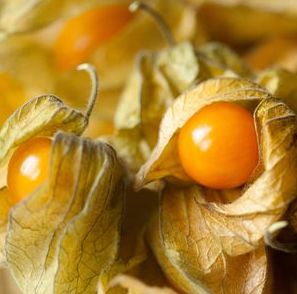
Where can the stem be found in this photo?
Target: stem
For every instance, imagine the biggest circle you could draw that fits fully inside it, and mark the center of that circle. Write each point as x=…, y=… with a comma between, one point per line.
x=91, y=70
x=164, y=27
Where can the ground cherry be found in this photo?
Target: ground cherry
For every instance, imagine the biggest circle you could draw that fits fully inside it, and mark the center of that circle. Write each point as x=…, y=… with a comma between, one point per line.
x=82, y=34
x=218, y=146
x=28, y=167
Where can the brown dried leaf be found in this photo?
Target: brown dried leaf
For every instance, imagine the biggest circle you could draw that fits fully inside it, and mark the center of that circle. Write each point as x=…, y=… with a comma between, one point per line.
x=66, y=234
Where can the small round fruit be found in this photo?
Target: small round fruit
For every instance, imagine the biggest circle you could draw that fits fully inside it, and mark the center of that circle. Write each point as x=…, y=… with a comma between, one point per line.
x=218, y=146
x=82, y=34
x=28, y=168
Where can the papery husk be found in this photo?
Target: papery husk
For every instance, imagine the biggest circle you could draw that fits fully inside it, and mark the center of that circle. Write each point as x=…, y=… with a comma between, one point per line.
x=148, y=94
x=157, y=79
x=41, y=116
x=244, y=24
x=164, y=160
x=224, y=58
x=201, y=253
x=66, y=234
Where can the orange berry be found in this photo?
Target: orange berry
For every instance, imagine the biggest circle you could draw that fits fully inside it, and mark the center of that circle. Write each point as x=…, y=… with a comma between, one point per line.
x=28, y=168
x=82, y=34
x=218, y=146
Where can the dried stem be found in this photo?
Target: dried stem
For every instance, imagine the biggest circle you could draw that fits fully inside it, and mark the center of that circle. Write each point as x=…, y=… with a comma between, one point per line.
x=91, y=70
x=164, y=27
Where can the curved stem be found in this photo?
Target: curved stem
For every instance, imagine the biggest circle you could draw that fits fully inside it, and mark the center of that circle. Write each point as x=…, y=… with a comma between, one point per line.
x=164, y=27
x=91, y=70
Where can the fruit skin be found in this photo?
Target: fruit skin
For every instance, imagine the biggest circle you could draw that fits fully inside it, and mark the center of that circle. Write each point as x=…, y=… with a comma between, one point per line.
x=28, y=168
x=82, y=34
x=218, y=146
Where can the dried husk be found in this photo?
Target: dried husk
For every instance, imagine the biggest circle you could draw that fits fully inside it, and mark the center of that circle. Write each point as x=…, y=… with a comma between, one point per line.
x=196, y=249
x=41, y=116
x=223, y=57
x=65, y=236
x=201, y=251
x=157, y=79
